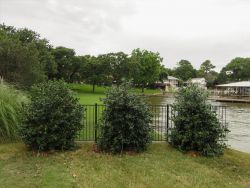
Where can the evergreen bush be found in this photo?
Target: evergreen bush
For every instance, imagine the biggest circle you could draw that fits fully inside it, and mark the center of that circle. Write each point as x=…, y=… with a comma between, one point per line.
x=53, y=117
x=125, y=124
x=197, y=127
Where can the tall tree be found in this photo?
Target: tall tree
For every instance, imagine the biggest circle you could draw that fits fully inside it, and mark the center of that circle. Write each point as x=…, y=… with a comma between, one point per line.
x=206, y=71
x=67, y=63
x=205, y=68
x=237, y=70
x=28, y=37
x=118, y=66
x=184, y=70
x=94, y=71
x=164, y=72
x=78, y=69
x=20, y=64
x=19, y=61
x=211, y=78
x=146, y=67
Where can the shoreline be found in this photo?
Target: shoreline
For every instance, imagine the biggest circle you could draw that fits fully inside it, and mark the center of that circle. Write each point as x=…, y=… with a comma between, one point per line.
x=216, y=99
x=230, y=100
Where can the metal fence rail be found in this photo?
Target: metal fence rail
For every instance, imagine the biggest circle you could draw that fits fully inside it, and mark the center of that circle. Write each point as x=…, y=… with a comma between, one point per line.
x=161, y=122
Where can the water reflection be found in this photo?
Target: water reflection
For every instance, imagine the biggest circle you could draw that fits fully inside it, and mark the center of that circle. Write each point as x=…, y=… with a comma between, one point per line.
x=237, y=115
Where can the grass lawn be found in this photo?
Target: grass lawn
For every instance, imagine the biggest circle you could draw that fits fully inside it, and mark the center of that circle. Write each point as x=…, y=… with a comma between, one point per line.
x=86, y=96
x=160, y=166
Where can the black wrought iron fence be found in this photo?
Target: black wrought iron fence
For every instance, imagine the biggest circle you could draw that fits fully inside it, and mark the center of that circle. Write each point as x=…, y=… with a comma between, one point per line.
x=161, y=125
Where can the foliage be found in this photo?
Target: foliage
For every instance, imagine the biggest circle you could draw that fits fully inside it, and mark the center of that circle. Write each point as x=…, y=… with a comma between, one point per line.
x=44, y=49
x=206, y=71
x=163, y=73
x=53, y=118
x=206, y=67
x=237, y=70
x=10, y=116
x=31, y=59
x=125, y=122
x=26, y=58
x=68, y=65
x=117, y=65
x=22, y=50
x=146, y=67
x=19, y=64
x=196, y=126
x=95, y=72
x=211, y=78
x=185, y=70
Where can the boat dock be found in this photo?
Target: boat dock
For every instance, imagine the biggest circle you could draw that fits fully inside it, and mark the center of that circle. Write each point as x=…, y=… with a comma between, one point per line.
x=234, y=100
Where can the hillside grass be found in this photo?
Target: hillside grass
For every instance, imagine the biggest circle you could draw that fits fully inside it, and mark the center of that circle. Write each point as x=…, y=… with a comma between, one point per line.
x=86, y=96
x=160, y=166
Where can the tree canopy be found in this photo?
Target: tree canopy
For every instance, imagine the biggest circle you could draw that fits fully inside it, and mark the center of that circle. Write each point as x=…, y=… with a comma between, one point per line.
x=184, y=70
x=26, y=58
x=25, y=55
x=206, y=67
x=19, y=63
x=146, y=67
x=95, y=71
x=237, y=70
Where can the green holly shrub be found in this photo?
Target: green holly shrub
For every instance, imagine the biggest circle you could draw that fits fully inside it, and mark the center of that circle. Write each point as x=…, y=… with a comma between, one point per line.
x=197, y=127
x=125, y=125
x=52, y=118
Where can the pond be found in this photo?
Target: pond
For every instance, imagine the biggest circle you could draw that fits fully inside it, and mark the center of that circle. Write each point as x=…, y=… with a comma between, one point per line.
x=237, y=116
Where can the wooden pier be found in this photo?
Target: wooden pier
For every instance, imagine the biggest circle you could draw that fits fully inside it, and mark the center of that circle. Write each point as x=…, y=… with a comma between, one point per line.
x=233, y=100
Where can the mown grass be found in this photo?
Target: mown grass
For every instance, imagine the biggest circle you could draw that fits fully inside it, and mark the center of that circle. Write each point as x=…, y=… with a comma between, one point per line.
x=86, y=96
x=160, y=166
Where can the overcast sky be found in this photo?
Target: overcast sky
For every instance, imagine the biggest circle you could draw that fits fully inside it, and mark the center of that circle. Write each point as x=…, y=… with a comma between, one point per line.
x=195, y=30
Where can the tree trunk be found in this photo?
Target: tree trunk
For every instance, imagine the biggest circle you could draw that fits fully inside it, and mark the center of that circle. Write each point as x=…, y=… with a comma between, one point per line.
x=71, y=75
x=1, y=79
x=93, y=88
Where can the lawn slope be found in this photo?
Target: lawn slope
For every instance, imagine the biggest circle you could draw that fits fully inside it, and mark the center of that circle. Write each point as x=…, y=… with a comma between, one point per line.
x=86, y=96
x=160, y=166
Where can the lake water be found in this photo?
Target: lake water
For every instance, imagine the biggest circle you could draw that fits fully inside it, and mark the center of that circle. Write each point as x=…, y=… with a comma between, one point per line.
x=237, y=116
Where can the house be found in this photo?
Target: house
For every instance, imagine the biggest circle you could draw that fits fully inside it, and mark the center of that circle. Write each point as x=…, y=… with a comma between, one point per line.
x=171, y=83
x=201, y=82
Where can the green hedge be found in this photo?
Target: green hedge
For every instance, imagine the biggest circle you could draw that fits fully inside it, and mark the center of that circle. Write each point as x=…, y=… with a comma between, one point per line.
x=196, y=126
x=125, y=122
x=53, y=118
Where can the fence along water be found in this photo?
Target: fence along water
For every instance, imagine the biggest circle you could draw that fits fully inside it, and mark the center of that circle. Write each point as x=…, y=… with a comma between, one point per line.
x=161, y=122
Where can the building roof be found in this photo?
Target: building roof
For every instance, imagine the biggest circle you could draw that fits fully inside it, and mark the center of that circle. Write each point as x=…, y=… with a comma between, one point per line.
x=172, y=78
x=236, y=84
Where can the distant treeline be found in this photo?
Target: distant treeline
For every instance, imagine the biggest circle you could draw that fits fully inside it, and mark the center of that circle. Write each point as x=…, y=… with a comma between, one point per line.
x=26, y=58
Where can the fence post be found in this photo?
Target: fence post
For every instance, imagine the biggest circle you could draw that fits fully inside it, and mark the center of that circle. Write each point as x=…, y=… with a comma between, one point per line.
x=167, y=121
x=95, y=122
